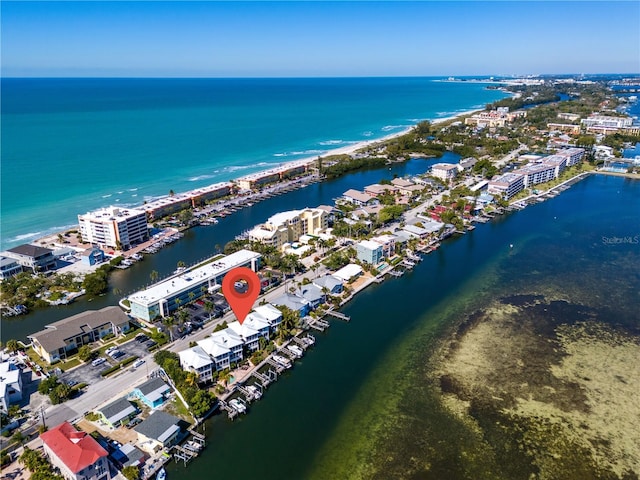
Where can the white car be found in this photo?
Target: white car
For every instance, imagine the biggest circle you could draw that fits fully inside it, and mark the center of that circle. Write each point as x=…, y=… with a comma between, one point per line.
x=138, y=363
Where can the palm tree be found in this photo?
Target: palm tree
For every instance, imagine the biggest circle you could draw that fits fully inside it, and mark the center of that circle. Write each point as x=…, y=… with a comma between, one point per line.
x=208, y=307
x=181, y=264
x=191, y=379
x=183, y=315
x=154, y=276
x=224, y=377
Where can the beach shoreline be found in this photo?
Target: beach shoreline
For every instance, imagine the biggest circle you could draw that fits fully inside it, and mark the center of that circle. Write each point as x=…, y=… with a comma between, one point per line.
x=51, y=237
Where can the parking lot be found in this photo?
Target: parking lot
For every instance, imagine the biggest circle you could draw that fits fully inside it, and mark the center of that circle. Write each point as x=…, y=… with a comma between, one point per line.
x=87, y=373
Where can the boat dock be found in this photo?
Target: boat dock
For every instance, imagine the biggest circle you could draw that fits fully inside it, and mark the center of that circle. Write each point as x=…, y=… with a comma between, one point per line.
x=338, y=315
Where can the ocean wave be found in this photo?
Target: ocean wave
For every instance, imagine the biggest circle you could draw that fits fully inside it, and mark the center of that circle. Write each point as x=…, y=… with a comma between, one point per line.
x=368, y=133
x=200, y=177
x=332, y=142
x=134, y=195
x=107, y=196
x=299, y=152
x=235, y=168
x=133, y=189
x=388, y=128
x=25, y=236
x=120, y=193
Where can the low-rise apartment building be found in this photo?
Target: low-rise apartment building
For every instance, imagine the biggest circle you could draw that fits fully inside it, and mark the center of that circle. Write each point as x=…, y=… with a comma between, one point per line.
x=63, y=338
x=288, y=227
x=165, y=297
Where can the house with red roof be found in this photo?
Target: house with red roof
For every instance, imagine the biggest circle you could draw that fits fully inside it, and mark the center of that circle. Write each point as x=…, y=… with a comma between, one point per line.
x=78, y=455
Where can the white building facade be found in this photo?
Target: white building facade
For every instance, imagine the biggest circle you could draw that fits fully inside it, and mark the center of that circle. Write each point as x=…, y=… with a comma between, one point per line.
x=114, y=227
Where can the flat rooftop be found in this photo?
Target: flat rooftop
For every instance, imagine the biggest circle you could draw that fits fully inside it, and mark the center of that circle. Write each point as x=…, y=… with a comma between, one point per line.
x=187, y=279
x=112, y=213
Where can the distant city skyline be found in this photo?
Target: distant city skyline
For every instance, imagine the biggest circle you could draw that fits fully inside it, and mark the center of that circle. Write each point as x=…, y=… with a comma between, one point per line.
x=307, y=39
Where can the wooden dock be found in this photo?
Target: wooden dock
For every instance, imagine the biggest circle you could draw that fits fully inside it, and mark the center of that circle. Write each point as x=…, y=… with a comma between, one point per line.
x=338, y=315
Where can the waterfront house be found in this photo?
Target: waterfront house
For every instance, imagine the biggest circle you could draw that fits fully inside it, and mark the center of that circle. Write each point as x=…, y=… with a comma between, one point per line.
x=348, y=273
x=369, y=252
x=312, y=294
x=114, y=227
x=293, y=302
x=359, y=198
x=415, y=231
x=128, y=455
x=377, y=190
x=270, y=314
x=250, y=331
x=76, y=454
x=31, y=257
x=332, y=284
x=9, y=267
x=63, y=338
x=388, y=243
x=10, y=385
x=158, y=431
x=153, y=393
x=224, y=347
x=163, y=298
x=92, y=256
x=117, y=413
x=196, y=360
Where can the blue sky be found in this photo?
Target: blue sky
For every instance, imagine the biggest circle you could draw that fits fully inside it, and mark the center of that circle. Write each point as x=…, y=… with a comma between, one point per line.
x=236, y=39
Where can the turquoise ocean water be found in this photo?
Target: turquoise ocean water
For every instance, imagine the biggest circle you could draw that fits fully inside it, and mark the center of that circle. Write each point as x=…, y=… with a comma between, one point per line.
x=72, y=145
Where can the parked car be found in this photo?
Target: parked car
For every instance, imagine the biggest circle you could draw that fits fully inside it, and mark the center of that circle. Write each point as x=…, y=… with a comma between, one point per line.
x=141, y=338
x=98, y=361
x=138, y=363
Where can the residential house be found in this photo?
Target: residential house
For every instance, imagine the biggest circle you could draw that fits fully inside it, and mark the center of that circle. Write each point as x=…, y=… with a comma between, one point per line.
x=196, y=360
x=377, y=190
x=153, y=393
x=333, y=284
x=312, y=294
x=31, y=257
x=9, y=267
x=359, y=198
x=388, y=243
x=270, y=314
x=224, y=347
x=250, y=331
x=76, y=454
x=348, y=273
x=369, y=252
x=11, y=390
x=61, y=339
x=129, y=456
x=415, y=231
x=92, y=256
x=293, y=302
x=117, y=413
x=158, y=431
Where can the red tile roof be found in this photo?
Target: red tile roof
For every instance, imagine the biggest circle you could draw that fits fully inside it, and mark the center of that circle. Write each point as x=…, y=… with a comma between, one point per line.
x=75, y=449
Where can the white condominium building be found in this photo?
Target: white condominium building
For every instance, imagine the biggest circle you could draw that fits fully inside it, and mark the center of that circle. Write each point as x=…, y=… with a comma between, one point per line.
x=114, y=227
x=537, y=173
x=287, y=227
x=444, y=171
x=506, y=185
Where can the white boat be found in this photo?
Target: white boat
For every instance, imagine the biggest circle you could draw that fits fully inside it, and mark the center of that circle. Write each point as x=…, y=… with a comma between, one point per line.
x=255, y=391
x=285, y=362
x=194, y=446
x=237, y=405
x=161, y=475
x=296, y=350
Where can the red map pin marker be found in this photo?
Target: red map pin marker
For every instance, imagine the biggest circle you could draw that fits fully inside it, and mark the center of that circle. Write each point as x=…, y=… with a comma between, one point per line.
x=241, y=302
